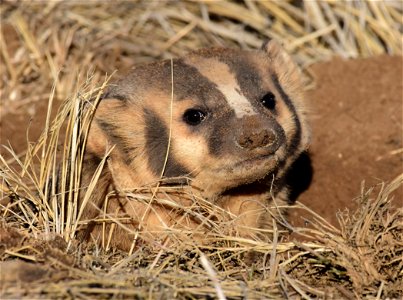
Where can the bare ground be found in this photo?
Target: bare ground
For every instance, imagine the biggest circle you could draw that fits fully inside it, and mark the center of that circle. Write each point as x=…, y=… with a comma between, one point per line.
x=357, y=126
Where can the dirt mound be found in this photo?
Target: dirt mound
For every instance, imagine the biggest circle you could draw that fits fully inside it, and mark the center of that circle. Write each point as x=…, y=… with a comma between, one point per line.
x=357, y=112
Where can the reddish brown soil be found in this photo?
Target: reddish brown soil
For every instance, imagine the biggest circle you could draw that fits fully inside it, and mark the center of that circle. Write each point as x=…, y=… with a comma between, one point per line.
x=357, y=125
x=357, y=111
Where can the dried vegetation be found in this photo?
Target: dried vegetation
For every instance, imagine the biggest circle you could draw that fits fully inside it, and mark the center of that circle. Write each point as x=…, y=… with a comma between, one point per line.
x=45, y=50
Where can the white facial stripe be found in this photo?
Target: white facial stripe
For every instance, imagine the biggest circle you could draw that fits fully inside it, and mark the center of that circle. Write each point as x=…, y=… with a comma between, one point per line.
x=220, y=74
x=236, y=100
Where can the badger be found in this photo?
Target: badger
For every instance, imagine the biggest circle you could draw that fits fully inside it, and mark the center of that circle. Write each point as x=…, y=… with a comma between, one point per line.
x=225, y=123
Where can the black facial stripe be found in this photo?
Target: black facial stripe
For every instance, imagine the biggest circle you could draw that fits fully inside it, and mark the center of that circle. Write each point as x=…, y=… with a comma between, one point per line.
x=248, y=80
x=112, y=93
x=191, y=82
x=296, y=139
x=92, y=160
x=215, y=141
x=119, y=97
x=221, y=131
x=119, y=141
x=156, y=136
x=246, y=75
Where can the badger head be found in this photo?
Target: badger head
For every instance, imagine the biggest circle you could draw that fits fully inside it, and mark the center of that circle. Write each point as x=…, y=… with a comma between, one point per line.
x=221, y=117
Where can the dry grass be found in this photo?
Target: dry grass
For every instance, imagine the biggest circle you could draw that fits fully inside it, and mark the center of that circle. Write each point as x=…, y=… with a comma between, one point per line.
x=44, y=49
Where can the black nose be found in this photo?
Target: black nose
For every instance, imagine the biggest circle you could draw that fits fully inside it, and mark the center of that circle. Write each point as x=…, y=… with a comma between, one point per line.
x=257, y=139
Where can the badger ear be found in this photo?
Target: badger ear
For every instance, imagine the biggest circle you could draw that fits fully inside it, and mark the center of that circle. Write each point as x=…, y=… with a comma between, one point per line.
x=285, y=69
x=276, y=52
x=265, y=43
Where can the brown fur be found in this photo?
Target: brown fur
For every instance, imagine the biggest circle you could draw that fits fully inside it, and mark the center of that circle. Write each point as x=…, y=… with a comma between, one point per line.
x=235, y=159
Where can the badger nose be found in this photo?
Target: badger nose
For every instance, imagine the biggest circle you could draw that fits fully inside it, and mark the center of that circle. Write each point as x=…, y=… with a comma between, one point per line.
x=257, y=139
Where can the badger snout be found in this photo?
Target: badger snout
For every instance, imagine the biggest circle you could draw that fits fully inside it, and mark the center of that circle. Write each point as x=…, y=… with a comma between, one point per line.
x=257, y=134
x=256, y=139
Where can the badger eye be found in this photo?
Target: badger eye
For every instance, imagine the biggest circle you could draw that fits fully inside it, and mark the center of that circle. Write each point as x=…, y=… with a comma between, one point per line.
x=194, y=116
x=269, y=101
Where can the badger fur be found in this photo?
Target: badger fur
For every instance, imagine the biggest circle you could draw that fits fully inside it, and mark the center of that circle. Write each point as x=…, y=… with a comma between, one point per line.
x=229, y=123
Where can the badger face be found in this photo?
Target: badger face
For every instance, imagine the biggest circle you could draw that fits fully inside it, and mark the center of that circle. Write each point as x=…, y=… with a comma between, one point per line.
x=222, y=117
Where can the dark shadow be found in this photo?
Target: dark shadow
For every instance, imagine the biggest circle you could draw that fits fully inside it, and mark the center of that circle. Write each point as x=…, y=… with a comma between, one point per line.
x=299, y=177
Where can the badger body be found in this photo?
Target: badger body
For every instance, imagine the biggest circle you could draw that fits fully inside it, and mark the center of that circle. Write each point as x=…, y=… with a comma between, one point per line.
x=226, y=124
